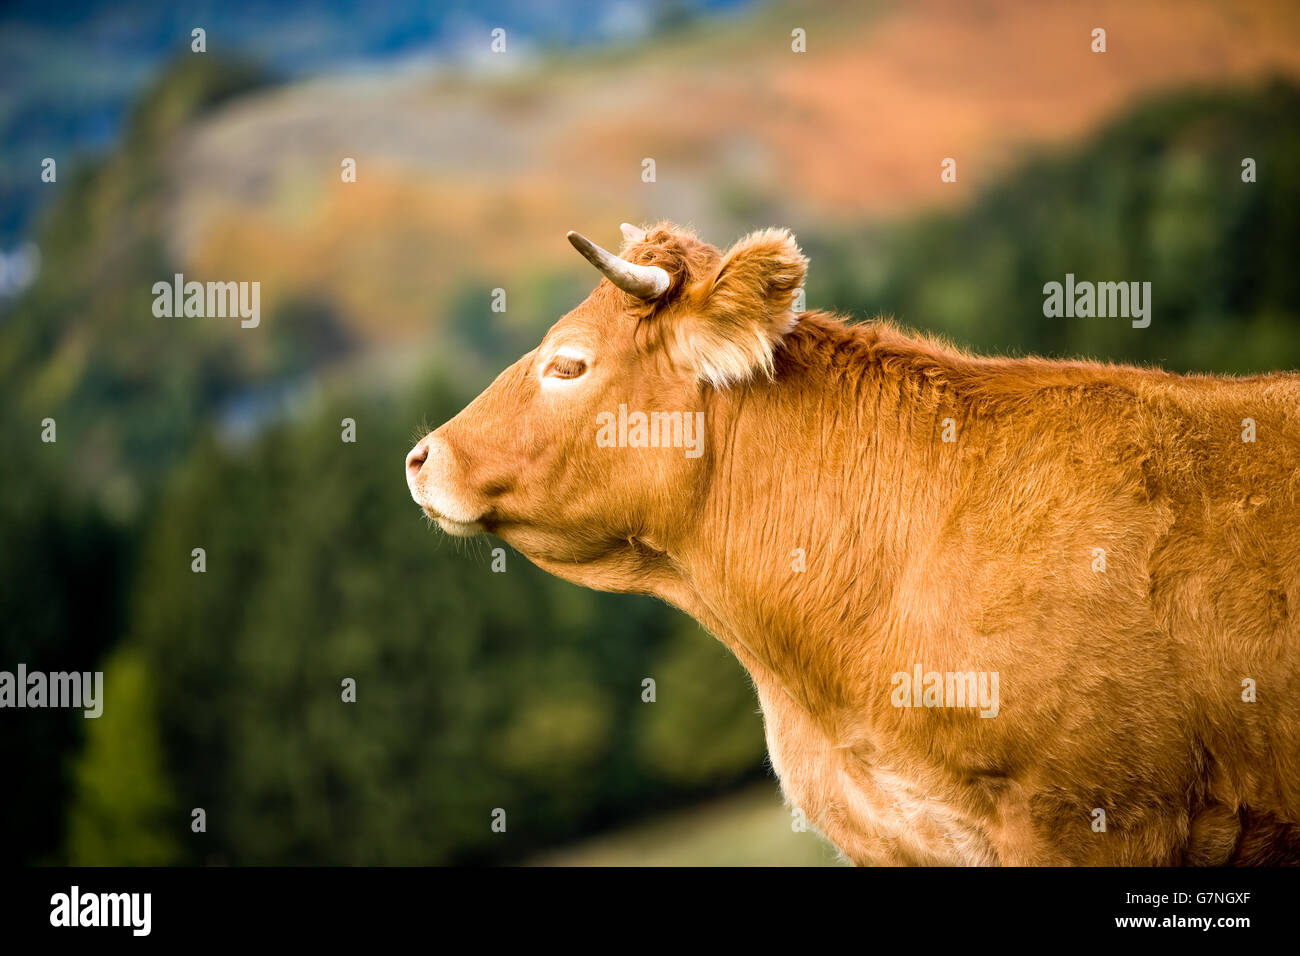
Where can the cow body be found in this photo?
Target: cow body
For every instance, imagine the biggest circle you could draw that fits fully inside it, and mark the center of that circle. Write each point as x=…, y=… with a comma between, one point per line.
x=1121, y=688
x=1101, y=539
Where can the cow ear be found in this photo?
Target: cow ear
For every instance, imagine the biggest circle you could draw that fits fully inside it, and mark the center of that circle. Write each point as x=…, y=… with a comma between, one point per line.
x=747, y=311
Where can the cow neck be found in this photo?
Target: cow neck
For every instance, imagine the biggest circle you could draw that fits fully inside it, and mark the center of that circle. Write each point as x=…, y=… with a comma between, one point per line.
x=825, y=488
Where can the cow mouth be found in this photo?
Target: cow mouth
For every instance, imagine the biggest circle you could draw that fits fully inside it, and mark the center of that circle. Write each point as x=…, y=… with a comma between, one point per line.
x=458, y=529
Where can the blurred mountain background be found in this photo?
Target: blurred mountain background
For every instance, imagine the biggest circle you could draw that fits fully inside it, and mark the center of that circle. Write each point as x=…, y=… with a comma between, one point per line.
x=480, y=690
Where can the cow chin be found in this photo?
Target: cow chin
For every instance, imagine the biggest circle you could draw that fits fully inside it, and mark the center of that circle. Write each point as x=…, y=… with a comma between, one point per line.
x=465, y=527
x=457, y=529
x=439, y=509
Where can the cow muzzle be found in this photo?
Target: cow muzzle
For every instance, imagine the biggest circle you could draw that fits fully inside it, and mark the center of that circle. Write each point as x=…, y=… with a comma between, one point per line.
x=431, y=476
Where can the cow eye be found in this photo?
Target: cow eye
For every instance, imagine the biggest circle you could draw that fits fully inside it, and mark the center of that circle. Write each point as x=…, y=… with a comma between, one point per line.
x=564, y=366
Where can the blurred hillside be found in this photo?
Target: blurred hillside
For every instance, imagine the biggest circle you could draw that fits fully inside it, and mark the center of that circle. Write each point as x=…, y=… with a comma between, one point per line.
x=70, y=72
x=467, y=182
x=479, y=689
x=1156, y=194
x=464, y=183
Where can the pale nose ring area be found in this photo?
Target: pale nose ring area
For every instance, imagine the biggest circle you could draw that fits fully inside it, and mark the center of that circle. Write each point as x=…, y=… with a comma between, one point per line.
x=415, y=461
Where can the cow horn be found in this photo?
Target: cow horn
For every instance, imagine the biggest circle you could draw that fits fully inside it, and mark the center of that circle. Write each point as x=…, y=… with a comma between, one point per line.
x=644, y=282
x=632, y=233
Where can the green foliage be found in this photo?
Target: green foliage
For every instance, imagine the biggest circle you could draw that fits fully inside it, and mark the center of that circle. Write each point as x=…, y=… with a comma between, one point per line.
x=495, y=339
x=475, y=689
x=188, y=86
x=703, y=725
x=63, y=566
x=83, y=344
x=124, y=812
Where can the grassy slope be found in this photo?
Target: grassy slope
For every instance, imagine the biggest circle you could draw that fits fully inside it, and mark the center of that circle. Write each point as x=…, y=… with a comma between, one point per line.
x=750, y=828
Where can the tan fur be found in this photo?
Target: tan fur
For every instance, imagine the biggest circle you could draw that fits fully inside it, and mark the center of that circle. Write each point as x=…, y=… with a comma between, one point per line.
x=1121, y=690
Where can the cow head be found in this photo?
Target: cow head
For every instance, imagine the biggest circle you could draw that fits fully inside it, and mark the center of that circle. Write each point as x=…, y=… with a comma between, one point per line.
x=673, y=321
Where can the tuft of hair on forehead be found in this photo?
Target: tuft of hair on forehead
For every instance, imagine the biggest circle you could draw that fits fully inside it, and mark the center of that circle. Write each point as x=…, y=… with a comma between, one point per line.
x=724, y=314
x=676, y=250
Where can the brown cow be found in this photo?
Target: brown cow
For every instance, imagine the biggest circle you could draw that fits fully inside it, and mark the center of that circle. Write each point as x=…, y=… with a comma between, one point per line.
x=997, y=611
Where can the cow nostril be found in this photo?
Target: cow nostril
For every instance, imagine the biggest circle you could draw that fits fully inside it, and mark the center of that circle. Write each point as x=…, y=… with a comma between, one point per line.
x=416, y=459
